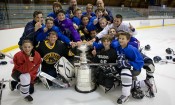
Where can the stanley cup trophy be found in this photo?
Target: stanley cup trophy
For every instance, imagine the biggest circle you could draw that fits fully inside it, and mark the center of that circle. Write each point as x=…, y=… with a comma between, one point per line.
x=84, y=74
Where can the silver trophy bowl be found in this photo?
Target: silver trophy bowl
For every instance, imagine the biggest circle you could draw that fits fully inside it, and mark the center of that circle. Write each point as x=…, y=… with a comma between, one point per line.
x=84, y=74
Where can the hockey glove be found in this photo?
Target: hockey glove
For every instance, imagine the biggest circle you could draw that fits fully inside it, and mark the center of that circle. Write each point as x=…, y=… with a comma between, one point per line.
x=123, y=64
x=121, y=57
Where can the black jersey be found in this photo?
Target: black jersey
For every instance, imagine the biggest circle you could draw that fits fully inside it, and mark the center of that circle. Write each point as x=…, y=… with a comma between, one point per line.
x=51, y=54
x=108, y=56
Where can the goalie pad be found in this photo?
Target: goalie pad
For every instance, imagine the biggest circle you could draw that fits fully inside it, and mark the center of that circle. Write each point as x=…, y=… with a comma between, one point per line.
x=54, y=80
x=44, y=81
x=65, y=69
x=136, y=91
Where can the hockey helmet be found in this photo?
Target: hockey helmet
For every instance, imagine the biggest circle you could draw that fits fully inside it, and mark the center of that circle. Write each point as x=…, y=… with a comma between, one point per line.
x=147, y=47
x=173, y=59
x=156, y=59
x=169, y=51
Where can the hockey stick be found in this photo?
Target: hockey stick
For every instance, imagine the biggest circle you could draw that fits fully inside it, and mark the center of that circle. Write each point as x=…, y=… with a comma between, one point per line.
x=165, y=62
x=2, y=82
x=11, y=57
x=81, y=58
x=5, y=81
x=94, y=64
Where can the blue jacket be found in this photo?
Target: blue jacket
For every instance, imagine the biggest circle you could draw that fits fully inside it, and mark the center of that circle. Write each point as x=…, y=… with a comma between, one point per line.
x=92, y=14
x=76, y=20
x=109, y=17
x=133, y=41
x=131, y=53
x=29, y=33
x=42, y=36
x=52, y=14
x=133, y=56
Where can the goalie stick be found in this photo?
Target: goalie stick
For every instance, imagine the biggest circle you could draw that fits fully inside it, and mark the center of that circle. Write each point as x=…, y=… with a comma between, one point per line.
x=54, y=80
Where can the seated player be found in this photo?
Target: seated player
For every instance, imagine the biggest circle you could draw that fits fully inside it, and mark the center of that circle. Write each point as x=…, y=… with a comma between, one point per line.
x=105, y=74
x=51, y=51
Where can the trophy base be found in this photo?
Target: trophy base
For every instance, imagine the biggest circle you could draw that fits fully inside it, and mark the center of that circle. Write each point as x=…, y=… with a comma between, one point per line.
x=85, y=89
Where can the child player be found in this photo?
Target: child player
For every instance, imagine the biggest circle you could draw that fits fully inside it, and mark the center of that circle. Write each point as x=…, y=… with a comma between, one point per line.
x=26, y=64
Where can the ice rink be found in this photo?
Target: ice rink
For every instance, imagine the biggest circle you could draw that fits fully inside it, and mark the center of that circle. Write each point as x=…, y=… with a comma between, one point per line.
x=158, y=38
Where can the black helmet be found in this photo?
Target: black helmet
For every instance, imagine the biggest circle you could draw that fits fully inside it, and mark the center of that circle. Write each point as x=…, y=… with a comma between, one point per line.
x=147, y=47
x=169, y=51
x=156, y=59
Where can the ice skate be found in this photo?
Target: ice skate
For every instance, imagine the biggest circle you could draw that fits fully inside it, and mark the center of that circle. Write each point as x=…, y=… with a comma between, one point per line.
x=122, y=99
x=12, y=85
x=28, y=98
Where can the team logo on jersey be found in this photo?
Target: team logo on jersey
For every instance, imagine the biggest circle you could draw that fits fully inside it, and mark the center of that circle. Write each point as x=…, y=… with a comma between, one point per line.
x=51, y=58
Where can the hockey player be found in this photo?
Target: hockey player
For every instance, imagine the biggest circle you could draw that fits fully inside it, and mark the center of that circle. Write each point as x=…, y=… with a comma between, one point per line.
x=76, y=19
x=26, y=64
x=104, y=75
x=66, y=26
x=72, y=6
x=32, y=28
x=107, y=12
x=130, y=62
x=106, y=55
x=89, y=11
x=56, y=6
x=112, y=32
x=118, y=25
x=44, y=31
x=51, y=51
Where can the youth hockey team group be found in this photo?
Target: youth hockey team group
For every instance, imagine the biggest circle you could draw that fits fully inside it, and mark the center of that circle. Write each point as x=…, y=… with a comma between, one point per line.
x=109, y=38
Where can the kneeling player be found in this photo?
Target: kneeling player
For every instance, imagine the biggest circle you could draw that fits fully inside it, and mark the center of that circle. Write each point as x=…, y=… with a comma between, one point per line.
x=26, y=64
